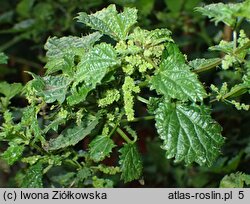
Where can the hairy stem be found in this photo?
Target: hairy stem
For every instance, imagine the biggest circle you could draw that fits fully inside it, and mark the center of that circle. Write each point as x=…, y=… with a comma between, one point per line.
x=123, y=135
x=143, y=100
x=149, y=117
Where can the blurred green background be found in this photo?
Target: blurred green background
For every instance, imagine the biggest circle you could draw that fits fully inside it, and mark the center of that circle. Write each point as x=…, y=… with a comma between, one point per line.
x=25, y=26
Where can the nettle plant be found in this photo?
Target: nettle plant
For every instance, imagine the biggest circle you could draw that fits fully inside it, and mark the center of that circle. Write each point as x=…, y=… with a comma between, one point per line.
x=86, y=101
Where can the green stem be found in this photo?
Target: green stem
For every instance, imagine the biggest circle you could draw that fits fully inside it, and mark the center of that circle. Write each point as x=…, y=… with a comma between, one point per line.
x=123, y=135
x=235, y=92
x=143, y=84
x=214, y=100
x=207, y=67
x=114, y=129
x=47, y=168
x=143, y=100
x=149, y=117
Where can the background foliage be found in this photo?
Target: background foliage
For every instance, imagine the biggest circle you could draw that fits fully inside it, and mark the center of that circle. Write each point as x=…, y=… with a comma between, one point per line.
x=26, y=25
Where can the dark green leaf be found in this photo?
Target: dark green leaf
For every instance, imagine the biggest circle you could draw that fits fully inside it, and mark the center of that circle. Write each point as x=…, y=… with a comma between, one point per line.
x=59, y=47
x=61, y=51
x=78, y=94
x=130, y=162
x=173, y=51
x=72, y=135
x=55, y=88
x=188, y=133
x=94, y=65
x=235, y=180
x=110, y=22
x=175, y=80
x=201, y=63
x=33, y=177
x=100, y=148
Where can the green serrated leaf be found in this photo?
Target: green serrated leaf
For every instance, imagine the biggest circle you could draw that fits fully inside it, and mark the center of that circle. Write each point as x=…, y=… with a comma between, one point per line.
x=65, y=63
x=175, y=53
x=220, y=12
x=235, y=180
x=61, y=51
x=3, y=58
x=33, y=177
x=100, y=148
x=59, y=119
x=83, y=173
x=13, y=153
x=55, y=88
x=244, y=10
x=58, y=47
x=72, y=135
x=78, y=94
x=95, y=64
x=130, y=162
x=223, y=46
x=10, y=90
x=188, y=133
x=175, y=80
x=110, y=22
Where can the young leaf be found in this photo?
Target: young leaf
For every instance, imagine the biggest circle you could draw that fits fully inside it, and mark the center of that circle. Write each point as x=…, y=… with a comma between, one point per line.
x=13, y=153
x=10, y=90
x=55, y=88
x=150, y=38
x=130, y=162
x=33, y=177
x=235, y=180
x=188, y=133
x=110, y=22
x=175, y=80
x=100, y=148
x=72, y=135
x=220, y=12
